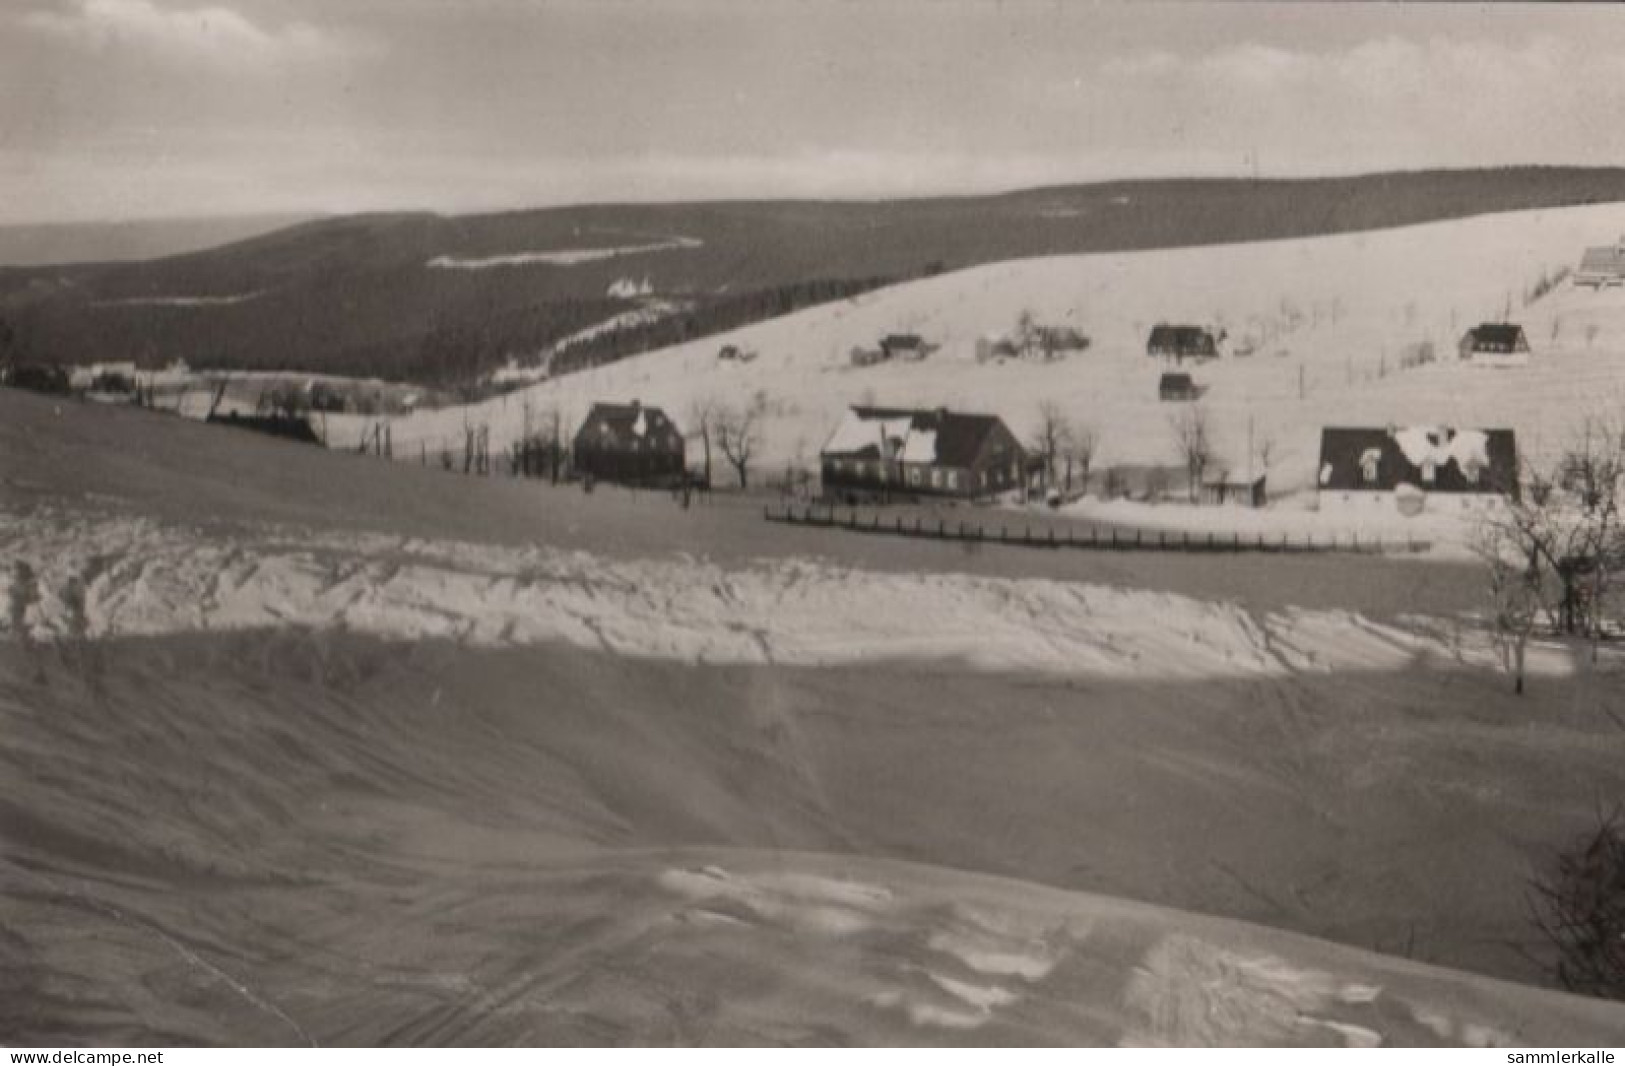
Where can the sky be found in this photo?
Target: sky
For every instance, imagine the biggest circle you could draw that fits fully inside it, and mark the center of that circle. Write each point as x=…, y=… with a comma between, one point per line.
x=131, y=109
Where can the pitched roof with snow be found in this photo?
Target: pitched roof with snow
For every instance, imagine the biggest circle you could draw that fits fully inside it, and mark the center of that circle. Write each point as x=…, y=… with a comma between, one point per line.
x=1609, y=259
x=1381, y=460
x=627, y=421
x=938, y=437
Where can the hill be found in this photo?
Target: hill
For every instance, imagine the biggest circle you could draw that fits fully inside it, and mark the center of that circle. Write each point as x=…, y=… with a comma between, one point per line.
x=441, y=300
x=1338, y=327
x=50, y=244
x=301, y=747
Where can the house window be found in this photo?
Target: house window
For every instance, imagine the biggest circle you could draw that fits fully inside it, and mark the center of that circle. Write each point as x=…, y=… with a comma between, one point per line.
x=1429, y=471
x=953, y=479
x=936, y=479
x=914, y=476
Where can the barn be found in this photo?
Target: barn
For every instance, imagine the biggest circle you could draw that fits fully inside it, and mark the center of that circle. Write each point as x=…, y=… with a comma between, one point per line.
x=886, y=451
x=1415, y=468
x=1182, y=342
x=1495, y=344
x=630, y=444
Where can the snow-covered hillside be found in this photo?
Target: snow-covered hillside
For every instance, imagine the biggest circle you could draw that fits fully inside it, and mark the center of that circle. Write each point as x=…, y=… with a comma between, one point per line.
x=1330, y=320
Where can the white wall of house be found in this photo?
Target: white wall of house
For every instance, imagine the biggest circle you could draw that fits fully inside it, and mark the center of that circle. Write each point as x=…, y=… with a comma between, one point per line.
x=1365, y=502
x=1497, y=359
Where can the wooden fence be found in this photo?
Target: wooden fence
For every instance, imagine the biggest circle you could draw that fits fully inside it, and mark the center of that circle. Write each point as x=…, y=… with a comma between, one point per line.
x=1088, y=538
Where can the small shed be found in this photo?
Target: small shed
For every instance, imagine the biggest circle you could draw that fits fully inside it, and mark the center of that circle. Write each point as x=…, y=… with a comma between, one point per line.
x=1176, y=387
x=904, y=346
x=1223, y=487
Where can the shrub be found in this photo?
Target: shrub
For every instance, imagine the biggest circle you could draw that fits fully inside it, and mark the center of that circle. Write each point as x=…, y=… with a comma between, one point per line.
x=1580, y=907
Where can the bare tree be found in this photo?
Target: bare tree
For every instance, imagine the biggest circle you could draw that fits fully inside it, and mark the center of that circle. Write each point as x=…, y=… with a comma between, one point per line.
x=739, y=432
x=1051, y=437
x=1592, y=475
x=702, y=418
x=1079, y=448
x=1579, y=905
x=1552, y=547
x=1514, y=568
x=1194, y=442
x=1026, y=331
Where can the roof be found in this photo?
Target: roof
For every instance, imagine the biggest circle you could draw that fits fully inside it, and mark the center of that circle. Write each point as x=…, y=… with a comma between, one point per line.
x=627, y=420
x=1197, y=339
x=936, y=436
x=1495, y=336
x=1176, y=381
x=1463, y=460
x=1607, y=259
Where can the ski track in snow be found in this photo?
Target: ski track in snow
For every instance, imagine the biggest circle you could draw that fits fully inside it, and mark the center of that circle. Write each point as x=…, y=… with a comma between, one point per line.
x=141, y=578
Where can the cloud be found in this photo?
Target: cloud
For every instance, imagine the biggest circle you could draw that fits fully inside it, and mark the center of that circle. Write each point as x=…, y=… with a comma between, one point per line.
x=212, y=35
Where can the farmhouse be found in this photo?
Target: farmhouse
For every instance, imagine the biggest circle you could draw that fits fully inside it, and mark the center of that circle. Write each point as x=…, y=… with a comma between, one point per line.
x=1602, y=266
x=1414, y=468
x=628, y=443
x=1182, y=342
x=1177, y=388
x=896, y=451
x=1495, y=344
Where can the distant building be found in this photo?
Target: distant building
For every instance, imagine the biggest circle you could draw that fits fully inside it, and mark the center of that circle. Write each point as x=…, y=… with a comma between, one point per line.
x=1602, y=266
x=1177, y=388
x=904, y=346
x=995, y=346
x=629, y=443
x=1414, y=468
x=896, y=451
x=1495, y=344
x=1053, y=340
x=1223, y=487
x=1182, y=342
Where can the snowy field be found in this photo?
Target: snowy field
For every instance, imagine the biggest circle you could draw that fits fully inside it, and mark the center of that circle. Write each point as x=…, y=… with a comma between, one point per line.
x=1332, y=318
x=126, y=577
x=539, y=766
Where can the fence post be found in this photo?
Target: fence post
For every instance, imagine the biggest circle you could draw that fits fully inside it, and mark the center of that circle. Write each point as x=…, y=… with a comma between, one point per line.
x=1238, y=540
x=1136, y=538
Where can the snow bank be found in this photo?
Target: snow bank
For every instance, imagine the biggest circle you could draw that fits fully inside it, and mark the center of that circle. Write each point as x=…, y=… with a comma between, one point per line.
x=143, y=579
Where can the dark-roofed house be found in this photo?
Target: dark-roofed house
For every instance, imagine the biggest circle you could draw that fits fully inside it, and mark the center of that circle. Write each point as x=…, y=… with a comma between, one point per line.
x=887, y=451
x=1182, y=342
x=630, y=444
x=1602, y=266
x=1412, y=468
x=1495, y=344
x=1178, y=388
